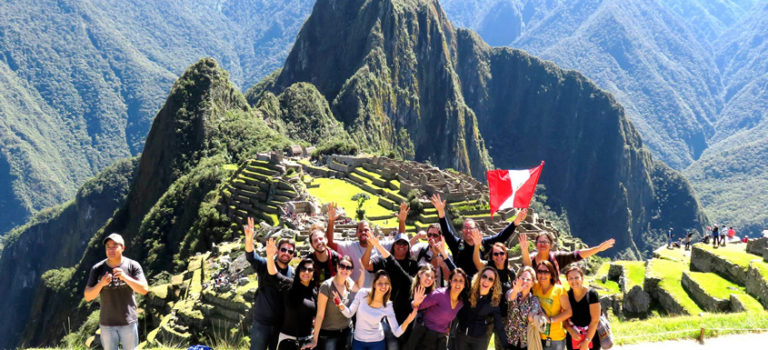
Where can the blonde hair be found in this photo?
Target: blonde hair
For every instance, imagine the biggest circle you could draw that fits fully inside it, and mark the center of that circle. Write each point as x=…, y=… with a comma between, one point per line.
x=495, y=291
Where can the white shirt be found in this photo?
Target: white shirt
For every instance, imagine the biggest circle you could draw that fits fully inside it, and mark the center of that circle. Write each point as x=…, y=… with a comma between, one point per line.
x=368, y=325
x=356, y=251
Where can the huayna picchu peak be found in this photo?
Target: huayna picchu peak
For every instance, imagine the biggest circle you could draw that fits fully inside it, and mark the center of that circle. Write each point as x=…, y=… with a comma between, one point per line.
x=392, y=79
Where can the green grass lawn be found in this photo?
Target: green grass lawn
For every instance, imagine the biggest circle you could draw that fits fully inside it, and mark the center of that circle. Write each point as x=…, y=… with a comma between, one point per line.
x=671, y=274
x=686, y=327
x=737, y=254
x=607, y=288
x=722, y=288
x=635, y=273
x=341, y=192
x=676, y=254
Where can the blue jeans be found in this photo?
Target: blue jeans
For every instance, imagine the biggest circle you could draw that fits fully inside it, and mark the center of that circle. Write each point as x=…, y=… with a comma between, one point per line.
x=555, y=345
x=263, y=336
x=359, y=345
x=112, y=336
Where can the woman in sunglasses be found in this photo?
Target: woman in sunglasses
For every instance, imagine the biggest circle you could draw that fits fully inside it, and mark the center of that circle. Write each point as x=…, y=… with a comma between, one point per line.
x=523, y=306
x=299, y=301
x=544, y=244
x=333, y=329
x=554, y=302
x=371, y=306
x=481, y=314
x=499, y=259
x=439, y=309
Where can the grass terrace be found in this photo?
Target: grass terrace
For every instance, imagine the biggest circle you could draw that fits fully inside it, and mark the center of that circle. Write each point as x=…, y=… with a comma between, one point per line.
x=634, y=272
x=671, y=274
x=722, y=288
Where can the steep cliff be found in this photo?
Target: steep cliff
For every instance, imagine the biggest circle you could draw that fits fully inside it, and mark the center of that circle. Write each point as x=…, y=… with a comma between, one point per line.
x=401, y=64
x=205, y=124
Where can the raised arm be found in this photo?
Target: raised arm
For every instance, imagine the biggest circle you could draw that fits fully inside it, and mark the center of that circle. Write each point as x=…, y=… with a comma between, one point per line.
x=479, y=263
x=365, y=261
x=248, y=232
x=524, y=254
x=271, y=251
x=332, y=216
x=507, y=232
x=399, y=329
x=585, y=253
x=451, y=238
x=441, y=253
x=401, y=216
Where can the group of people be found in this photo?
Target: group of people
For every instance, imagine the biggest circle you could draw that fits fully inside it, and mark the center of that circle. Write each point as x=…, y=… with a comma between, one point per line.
x=402, y=293
x=720, y=236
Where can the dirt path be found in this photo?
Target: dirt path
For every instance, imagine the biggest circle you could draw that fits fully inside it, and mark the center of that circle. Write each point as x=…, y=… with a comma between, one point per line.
x=737, y=341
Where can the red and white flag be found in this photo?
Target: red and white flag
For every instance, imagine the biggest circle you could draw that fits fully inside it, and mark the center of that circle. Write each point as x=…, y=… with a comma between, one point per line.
x=512, y=188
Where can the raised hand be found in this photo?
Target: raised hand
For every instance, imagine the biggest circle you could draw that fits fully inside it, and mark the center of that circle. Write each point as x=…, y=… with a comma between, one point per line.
x=372, y=239
x=271, y=248
x=439, y=247
x=403, y=213
x=477, y=239
x=418, y=296
x=438, y=204
x=521, y=216
x=606, y=245
x=332, y=215
x=249, y=228
x=523, y=238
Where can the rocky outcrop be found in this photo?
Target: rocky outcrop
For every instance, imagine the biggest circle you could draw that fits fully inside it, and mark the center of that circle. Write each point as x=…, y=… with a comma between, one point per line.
x=754, y=276
x=636, y=302
x=757, y=246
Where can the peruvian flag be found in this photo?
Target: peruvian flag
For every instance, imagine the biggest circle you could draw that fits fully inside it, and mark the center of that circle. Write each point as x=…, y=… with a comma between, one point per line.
x=512, y=188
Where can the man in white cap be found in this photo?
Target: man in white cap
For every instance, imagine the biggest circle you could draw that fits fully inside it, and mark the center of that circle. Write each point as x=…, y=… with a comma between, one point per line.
x=115, y=279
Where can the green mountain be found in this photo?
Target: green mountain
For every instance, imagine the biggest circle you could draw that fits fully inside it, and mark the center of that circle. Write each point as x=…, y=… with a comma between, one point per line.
x=690, y=73
x=55, y=238
x=501, y=102
x=81, y=80
x=732, y=175
x=401, y=80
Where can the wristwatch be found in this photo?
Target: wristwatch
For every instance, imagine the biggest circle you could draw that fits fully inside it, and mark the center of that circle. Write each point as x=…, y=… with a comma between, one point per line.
x=586, y=339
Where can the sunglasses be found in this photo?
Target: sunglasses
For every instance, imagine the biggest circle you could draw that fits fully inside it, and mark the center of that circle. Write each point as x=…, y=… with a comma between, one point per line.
x=287, y=250
x=345, y=267
x=489, y=278
x=307, y=269
x=546, y=272
x=433, y=235
x=499, y=253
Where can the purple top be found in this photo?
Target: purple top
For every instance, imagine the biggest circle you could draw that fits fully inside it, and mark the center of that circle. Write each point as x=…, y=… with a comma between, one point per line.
x=437, y=310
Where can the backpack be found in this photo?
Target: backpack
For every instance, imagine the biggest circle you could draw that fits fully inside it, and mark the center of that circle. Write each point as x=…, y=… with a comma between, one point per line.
x=603, y=329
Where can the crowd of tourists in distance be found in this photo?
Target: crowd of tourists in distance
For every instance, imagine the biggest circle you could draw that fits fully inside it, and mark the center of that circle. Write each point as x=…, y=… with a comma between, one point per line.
x=717, y=235
x=405, y=294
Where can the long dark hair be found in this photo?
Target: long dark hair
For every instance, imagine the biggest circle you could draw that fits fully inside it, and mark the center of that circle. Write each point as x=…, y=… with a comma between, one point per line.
x=464, y=292
x=297, y=287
